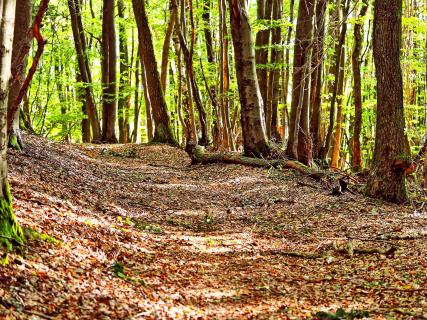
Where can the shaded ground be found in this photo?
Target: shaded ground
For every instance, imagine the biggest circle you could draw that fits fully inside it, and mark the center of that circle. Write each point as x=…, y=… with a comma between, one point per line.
x=146, y=236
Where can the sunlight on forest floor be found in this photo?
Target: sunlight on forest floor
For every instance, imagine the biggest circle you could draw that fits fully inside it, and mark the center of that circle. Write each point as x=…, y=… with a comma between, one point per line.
x=145, y=235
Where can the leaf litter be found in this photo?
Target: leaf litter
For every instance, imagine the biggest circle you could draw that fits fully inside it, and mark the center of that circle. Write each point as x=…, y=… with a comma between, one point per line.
x=135, y=232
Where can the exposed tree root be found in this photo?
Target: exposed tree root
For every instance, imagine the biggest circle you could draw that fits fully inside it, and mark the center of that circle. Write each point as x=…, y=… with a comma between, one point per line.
x=198, y=154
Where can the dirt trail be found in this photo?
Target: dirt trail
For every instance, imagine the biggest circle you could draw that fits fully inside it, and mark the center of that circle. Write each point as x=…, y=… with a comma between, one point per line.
x=147, y=236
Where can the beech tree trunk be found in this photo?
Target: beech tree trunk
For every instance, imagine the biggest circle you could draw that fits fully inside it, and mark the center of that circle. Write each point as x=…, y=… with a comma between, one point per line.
x=227, y=132
x=299, y=105
x=345, y=5
x=252, y=112
x=357, y=87
x=274, y=80
x=189, y=66
x=162, y=132
x=166, y=46
x=316, y=79
x=387, y=179
x=338, y=127
x=125, y=73
x=10, y=231
x=287, y=72
x=109, y=73
x=264, y=12
x=23, y=20
x=81, y=97
x=83, y=63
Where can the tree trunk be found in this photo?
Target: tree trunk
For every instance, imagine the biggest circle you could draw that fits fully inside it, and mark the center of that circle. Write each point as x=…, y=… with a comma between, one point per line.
x=387, y=179
x=227, y=135
x=275, y=61
x=162, y=131
x=125, y=73
x=338, y=126
x=137, y=105
x=195, y=92
x=109, y=73
x=10, y=231
x=345, y=10
x=166, y=46
x=23, y=20
x=252, y=110
x=85, y=124
x=287, y=68
x=264, y=12
x=357, y=87
x=316, y=80
x=80, y=44
x=299, y=105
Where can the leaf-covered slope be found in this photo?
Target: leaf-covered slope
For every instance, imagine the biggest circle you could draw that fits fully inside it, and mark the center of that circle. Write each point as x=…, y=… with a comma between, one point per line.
x=144, y=235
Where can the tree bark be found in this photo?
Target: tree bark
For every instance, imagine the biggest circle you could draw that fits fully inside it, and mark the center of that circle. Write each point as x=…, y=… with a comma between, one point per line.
x=189, y=66
x=299, y=105
x=23, y=14
x=83, y=64
x=81, y=97
x=387, y=179
x=124, y=99
x=274, y=80
x=357, y=87
x=227, y=134
x=338, y=126
x=264, y=12
x=252, y=110
x=316, y=80
x=337, y=58
x=166, y=46
x=287, y=69
x=162, y=131
x=10, y=230
x=109, y=73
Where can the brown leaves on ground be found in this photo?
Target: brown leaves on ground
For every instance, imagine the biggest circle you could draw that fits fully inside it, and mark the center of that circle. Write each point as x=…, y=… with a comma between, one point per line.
x=146, y=236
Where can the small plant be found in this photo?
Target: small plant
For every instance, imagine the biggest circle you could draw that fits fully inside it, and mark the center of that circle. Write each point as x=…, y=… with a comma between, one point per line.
x=118, y=270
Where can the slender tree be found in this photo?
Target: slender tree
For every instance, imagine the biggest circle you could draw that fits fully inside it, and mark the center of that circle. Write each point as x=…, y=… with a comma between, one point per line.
x=162, y=132
x=299, y=145
x=357, y=87
x=252, y=112
x=83, y=64
x=109, y=73
x=124, y=100
x=316, y=79
x=387, y=179
x=264, y=13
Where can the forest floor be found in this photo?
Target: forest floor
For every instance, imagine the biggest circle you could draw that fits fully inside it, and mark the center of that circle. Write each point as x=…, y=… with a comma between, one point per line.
x=135, y=232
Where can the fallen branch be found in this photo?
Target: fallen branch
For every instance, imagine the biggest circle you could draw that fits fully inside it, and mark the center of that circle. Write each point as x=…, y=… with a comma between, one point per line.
x=199, y=155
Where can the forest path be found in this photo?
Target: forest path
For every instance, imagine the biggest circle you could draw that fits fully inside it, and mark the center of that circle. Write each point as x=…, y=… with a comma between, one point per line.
x=146, y=236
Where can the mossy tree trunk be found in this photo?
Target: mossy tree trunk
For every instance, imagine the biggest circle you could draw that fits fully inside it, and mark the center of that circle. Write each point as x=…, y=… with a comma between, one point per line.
x=10, y=232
